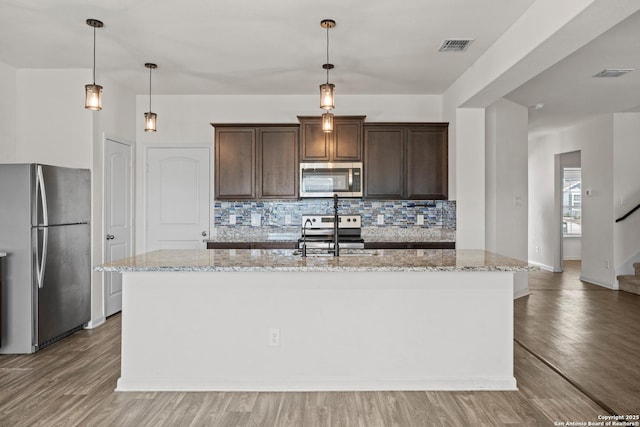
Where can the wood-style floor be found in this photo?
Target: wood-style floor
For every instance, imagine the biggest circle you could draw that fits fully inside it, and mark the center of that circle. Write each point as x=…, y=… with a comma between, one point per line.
x=587, y=332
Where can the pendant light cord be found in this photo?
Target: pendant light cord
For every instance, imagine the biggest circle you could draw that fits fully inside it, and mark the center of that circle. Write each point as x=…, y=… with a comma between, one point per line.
x=149, y=89
x=327, y=53
x=94, y=56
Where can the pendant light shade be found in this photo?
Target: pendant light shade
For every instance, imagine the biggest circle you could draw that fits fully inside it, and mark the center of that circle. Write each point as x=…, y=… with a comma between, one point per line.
x=93, y=92
x=150, y=122
x=326, y=96
x=149, y=117
x=327, y=122
x=93, y=97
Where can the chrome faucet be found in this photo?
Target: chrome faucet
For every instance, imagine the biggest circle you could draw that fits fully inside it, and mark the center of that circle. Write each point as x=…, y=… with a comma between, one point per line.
x=304, y=238
x=336, y=245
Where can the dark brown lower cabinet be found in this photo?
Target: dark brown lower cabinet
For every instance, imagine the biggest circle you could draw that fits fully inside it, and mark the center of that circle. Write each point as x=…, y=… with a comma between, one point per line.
x=406, y=161
x=409, y=245
x=252, y=245
x=0, y=301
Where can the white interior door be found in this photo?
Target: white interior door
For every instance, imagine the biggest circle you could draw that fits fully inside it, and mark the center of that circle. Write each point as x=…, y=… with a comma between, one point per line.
x=118, y=186
x=177, y=197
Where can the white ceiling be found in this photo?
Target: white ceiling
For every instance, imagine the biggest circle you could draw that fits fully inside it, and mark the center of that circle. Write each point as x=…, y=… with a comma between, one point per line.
x=568, y=89
x=278, y=47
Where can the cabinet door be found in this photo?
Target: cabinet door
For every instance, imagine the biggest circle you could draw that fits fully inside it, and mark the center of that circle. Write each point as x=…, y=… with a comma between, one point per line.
x=315, y=142
x=235, y=163
x=427, y=154
x=278, y=163
x=347, y=140
x=384, y=160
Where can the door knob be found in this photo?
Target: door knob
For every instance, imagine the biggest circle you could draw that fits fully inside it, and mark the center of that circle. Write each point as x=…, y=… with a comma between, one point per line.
x=204, y=234
x=110, y=237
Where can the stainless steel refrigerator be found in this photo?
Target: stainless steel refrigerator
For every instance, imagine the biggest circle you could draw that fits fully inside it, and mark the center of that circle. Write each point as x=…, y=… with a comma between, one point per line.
x=44, y=229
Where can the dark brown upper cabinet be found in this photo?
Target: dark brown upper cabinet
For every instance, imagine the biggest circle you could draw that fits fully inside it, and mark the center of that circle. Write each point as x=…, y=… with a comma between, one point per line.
x=277, y=163
x=343, y=144
x=406, y=161
x=256, y=161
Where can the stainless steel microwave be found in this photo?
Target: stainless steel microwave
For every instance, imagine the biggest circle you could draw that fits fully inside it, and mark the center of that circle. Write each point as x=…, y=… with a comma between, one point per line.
x=327, y=179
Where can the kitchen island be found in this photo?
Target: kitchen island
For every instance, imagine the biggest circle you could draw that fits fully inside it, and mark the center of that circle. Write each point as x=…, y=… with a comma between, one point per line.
x=233, y=320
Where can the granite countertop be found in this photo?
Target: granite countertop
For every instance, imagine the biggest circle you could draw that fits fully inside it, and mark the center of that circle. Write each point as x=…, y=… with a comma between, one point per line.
x=288, y=260
x=3, y=254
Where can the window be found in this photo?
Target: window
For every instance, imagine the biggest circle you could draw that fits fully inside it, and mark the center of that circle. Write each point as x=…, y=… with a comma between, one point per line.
x=571, y=202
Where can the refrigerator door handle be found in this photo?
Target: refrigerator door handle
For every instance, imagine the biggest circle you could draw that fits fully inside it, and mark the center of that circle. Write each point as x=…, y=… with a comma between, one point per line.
x=40, y=188
x=42, y=262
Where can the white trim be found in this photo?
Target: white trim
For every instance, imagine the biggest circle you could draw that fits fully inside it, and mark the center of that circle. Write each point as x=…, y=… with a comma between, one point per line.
x=94, y=323
x=321, y=384
x=543, y=266
x=519, y=293
x=599, y=283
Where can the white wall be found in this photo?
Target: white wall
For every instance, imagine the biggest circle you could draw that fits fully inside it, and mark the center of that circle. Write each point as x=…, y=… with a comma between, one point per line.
x=7, y=113
x=470, y=176
x=595, y=140
x=186, y=119
x=506, y=177
x=52, y=124
x=626, y=190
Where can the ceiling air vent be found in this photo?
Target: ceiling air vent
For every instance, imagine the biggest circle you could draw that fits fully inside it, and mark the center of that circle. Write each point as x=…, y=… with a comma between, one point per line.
x=455, y=45
x=614, y=72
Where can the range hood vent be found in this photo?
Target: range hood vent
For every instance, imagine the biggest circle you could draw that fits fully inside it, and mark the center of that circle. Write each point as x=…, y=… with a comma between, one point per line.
x=455, y=45
x=614, y=72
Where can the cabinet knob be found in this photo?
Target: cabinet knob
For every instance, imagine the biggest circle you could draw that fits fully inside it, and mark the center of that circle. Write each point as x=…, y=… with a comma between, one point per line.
x=204, y=234
x=110, y=237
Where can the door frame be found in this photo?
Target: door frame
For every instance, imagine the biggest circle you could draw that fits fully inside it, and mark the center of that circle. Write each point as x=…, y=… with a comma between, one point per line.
x=132, y=222
x=142, y=176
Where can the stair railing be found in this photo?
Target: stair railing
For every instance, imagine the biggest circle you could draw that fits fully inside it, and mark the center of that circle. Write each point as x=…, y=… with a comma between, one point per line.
x=623, y=217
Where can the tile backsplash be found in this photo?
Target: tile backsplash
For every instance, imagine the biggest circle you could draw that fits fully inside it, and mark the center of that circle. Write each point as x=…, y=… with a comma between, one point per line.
x=281, y=219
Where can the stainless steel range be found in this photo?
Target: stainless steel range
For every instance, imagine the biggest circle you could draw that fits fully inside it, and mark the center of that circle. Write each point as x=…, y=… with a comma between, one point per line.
x=318, y=232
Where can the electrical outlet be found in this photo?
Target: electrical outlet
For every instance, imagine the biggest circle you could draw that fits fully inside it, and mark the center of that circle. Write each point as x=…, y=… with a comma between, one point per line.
x=537, y=249
x=420, y=252
x=517, y=201
x=287, y=219
x=607, y=264
x=380, y=219
x=274, y=337
x=420, y=219
x=232, y=220
x=255, y=220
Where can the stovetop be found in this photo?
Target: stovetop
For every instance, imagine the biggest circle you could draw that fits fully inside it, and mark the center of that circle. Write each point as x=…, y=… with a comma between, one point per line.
x=319, y=230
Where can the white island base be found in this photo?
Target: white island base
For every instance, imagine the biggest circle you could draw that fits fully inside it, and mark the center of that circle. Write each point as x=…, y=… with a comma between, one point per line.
x=312, y=331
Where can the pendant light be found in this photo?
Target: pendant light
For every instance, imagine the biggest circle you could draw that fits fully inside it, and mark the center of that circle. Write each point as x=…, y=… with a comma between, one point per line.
x=93, y=92
x=149, y=117
x=326, y=89
x=327, y=122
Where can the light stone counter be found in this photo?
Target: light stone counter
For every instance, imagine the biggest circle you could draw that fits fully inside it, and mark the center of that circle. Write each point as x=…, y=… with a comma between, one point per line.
x=3, y=254
x=277, y=260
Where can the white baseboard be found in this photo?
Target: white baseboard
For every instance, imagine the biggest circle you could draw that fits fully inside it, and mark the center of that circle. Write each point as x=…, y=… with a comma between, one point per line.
x=542, y=266
x=94, y=323
x=599, y=283
x=317, y=384
x=521, y=293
